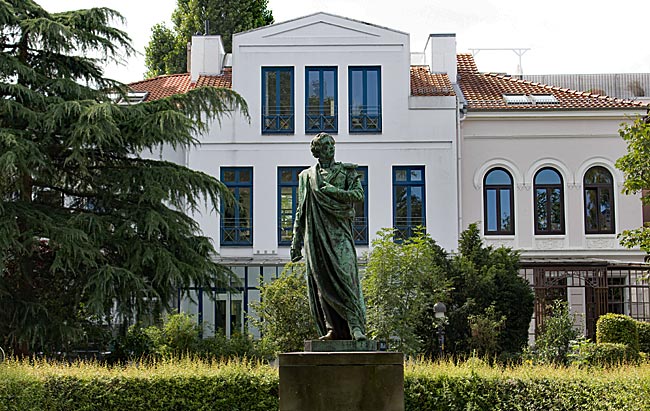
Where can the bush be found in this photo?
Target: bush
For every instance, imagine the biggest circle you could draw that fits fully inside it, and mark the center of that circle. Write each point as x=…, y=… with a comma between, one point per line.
x=283, y=315
x=242, y=385
x=644, y=336
x=618, y=329
x=610, y=354
x=553, y=344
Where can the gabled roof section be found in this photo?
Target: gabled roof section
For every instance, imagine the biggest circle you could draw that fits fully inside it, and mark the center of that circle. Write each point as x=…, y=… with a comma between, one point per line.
x=425, y=83
x=167, y=85
x=319, y=16
x=485, y=91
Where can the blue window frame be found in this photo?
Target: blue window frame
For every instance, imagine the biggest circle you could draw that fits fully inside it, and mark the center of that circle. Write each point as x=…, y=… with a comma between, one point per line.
x=360, y=224
x=365, y=99
x=277, y=100
x=237, y=218
x=499, y=203
x=549, y=202
x=287, y=202
x=321, y=101
x=408, y=200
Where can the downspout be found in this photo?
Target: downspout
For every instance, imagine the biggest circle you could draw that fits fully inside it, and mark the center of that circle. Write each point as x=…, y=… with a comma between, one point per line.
x=461, y=112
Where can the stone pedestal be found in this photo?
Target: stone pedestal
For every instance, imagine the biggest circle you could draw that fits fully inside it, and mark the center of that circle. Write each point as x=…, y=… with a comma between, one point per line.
x=341, y=381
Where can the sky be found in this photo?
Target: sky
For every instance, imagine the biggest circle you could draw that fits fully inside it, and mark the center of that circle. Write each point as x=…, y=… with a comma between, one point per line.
x=564, y=36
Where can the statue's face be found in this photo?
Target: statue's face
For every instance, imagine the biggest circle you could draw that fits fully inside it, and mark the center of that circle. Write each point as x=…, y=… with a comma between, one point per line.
x=327, y=149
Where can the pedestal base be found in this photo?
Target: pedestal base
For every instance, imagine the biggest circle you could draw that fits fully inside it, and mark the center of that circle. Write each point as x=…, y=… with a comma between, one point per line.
x=341, y=381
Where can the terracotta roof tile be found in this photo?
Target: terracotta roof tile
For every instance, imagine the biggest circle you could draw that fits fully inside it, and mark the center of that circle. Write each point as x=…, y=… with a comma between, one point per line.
x=425, y=83
x=163, y=86
x=167, y=85
x=484, y=91
x=222, y=81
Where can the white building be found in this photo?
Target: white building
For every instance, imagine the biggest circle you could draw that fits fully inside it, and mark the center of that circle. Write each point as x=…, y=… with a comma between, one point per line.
x=425, y=137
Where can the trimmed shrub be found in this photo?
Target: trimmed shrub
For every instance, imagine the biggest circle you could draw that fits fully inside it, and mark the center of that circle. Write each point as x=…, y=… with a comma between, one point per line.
x=245, y=386
x=609, y=354
x=644, y=336
x=617, y=329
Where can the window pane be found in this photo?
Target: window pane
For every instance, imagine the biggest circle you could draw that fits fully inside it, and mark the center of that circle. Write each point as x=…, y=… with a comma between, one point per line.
x=591, y=212
x=329, y=82
x=285, y=92
x=220, y=316
x=605, y=210
x=416, y=175
x=556, y=210
x=506, y=220
x=548, y=176
x=313, y=91
x=400, y=175
x=540, y=208
x=236, y=315
x=416, y=205
x=228, y=176
x=498, y=177
x=270, y=102
x=598, y=175
x=244, y=206
x=400, y=204
x=245, y=176
x=356, y=91
x=491, y=210
x=372, y=80
x=286, y=176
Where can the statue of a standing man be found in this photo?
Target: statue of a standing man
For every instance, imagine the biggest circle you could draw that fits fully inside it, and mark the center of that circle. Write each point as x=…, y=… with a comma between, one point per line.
x=323, y=222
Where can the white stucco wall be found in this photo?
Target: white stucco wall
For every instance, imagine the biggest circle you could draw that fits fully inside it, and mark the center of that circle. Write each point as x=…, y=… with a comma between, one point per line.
x=571, y=142
x=417, y=131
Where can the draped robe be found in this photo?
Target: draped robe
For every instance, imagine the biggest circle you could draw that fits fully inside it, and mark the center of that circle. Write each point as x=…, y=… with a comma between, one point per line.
x=324, y=220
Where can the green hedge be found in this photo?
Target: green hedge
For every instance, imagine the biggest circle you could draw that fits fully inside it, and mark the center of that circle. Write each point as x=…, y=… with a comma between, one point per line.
x=617, y=329
x=240, y=386
x=644, y=336
x=609, y=354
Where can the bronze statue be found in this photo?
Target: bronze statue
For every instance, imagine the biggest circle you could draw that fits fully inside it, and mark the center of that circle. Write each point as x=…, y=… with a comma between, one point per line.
x=323, y=222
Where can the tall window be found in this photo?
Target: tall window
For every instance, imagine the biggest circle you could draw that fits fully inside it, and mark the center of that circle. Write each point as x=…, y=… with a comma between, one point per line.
x=499, y=203
x=360, y=225
x=599, y=201
x=237, y=218
x=408, y=200
x=549, y=202
x=287, y=202
x=321, y=110
x=365, y=99
x=277, y=100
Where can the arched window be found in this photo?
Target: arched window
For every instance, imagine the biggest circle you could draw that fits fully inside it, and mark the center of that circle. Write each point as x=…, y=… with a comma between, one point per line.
x=599, y=201
x=498, y=198
x=549, y=202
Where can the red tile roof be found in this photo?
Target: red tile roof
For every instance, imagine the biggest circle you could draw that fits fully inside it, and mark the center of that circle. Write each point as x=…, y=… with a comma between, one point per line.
x=425, y=83
x=484, y=91
x=167, y=85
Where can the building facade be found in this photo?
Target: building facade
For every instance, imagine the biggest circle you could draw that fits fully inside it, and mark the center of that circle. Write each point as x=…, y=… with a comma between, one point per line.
x=437, y=144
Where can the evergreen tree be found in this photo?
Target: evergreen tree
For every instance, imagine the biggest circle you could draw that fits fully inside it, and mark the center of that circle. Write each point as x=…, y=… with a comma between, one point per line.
x=167, y=49
x=90, y=231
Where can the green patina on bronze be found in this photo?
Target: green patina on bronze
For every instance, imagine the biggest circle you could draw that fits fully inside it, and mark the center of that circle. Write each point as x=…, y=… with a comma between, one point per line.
x=323, y=224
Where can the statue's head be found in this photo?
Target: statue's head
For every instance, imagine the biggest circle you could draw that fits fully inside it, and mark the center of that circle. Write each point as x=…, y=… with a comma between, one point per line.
x=317, y=143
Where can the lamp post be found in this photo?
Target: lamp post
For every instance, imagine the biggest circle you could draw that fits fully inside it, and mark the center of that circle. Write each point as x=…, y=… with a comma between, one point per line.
x=439, y=310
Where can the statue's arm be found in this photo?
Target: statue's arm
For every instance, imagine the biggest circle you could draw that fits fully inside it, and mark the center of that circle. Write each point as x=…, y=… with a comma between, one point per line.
x=354, y=192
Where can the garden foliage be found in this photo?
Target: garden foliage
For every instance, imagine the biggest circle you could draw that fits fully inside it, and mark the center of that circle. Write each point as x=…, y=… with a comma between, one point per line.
x=618, y=329
x=198, y=385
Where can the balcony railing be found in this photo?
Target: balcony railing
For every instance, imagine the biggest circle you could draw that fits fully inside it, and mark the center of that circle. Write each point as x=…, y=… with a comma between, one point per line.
x=365, y=119
x=236, y=231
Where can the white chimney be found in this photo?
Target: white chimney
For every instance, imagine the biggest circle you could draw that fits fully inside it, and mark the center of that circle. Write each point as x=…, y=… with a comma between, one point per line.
x=440, y=54
x=206, y=56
